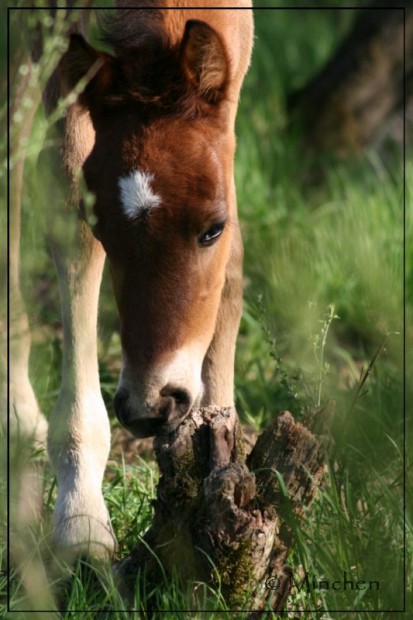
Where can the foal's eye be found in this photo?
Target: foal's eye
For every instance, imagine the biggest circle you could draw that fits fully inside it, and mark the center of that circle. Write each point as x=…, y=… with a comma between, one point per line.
x=211, y=235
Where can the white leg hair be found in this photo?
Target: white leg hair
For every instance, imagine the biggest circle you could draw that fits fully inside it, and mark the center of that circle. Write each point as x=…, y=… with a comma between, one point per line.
x=79, y=430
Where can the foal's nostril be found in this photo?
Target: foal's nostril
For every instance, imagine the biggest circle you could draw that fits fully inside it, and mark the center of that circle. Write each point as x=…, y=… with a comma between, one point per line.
x=180, y=396
x=167, y=411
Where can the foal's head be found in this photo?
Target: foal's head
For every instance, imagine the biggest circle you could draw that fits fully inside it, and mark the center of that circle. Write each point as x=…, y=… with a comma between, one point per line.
x=161, y=171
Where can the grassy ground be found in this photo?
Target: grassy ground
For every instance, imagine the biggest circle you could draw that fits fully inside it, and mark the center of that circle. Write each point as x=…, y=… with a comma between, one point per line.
x=323, y=294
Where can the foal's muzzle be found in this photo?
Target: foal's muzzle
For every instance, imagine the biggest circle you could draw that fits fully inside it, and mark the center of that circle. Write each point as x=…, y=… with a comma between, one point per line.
x=162, y=417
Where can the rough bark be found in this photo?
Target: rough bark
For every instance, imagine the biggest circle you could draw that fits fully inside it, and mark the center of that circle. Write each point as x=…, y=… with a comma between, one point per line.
x=349, y=103
x=221, y=511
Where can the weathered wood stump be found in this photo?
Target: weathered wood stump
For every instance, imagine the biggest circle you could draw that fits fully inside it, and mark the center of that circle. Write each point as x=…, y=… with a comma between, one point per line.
x=220, y=511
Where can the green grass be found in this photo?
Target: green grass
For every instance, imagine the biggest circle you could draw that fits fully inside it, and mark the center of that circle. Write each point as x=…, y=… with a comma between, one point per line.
x=307, y=247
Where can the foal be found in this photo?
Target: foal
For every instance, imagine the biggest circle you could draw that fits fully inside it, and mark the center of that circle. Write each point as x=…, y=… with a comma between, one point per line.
x=153, y=133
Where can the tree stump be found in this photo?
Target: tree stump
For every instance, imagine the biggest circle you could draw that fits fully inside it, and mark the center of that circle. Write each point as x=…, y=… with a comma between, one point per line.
x=220, y=511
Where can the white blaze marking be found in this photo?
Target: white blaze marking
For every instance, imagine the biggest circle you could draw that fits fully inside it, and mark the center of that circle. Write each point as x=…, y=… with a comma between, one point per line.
x=136, y=193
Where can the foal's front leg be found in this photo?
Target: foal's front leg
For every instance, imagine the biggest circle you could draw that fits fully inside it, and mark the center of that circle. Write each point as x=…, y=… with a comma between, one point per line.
x=79, y=431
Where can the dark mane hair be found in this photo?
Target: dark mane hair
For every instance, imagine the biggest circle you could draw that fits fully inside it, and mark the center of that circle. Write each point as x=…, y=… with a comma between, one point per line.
x=126, y=28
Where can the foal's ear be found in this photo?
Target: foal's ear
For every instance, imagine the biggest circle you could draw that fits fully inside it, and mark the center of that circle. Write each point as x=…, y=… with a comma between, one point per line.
x=82, y=61
x=205, y=60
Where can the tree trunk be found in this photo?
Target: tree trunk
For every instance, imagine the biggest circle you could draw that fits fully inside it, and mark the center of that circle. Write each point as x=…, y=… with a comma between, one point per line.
x=220, y=511
x=348, y=104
